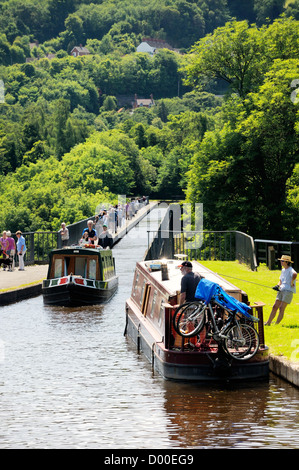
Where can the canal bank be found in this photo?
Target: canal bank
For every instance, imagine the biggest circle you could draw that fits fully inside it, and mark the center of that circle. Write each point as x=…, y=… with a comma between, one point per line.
x=284, y=368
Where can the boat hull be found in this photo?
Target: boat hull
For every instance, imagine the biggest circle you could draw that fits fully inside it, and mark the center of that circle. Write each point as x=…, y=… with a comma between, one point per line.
x=74, y=295
x=195, y=365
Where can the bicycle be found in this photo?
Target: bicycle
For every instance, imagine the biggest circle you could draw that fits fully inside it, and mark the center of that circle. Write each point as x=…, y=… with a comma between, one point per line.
x=239, y=340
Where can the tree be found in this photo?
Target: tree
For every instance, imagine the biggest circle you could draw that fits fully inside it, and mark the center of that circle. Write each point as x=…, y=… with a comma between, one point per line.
x=60, y=117
x=240, y=54
x=250, y=157
x=233, y=53
x=292, y=9
x=268, y=9
x=4, y=50
x=74, y=25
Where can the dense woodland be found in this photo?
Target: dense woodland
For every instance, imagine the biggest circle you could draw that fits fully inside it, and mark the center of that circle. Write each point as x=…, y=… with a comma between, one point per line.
x=223, y=130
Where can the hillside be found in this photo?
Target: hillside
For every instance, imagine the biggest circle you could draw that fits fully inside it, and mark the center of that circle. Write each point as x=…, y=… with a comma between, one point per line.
x=69, y=137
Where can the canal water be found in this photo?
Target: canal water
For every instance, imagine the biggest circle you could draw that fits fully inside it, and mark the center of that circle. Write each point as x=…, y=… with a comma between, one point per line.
x=70, y=379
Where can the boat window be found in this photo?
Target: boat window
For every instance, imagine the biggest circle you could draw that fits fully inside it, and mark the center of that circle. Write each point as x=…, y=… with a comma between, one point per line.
x=80, y=266
x=107, y=267
x=142, y=290
x=146, y=297
x=58, y=267
x=153, y=304
x=92, y=271
x=66, y=265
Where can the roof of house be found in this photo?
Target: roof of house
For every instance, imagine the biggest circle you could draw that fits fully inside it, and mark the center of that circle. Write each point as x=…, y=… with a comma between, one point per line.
x=145, y=102
x=80, y=49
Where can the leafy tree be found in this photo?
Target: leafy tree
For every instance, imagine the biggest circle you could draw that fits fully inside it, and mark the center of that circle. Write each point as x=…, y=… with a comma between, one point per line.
x=268, y=9
x=292, y=9
x=241, y=54
x=4, y=50
x=232, y=53
x=242, y=10
x=254, y=151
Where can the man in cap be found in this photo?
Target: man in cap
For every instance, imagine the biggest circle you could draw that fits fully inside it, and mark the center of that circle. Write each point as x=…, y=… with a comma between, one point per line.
x=189, y=282
x=286, y=288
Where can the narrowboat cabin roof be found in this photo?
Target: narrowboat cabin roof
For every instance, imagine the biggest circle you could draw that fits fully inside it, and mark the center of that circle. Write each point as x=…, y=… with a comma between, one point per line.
x=173, y=284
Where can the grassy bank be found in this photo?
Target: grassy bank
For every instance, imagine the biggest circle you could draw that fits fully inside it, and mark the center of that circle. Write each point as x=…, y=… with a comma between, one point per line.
x=282, y=339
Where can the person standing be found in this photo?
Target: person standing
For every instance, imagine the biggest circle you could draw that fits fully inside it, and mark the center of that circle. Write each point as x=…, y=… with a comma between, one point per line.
x=11, y=250
x=64, y=233
x=105, y=238
x=90, y=233
x=286, y=288
x=4, y=242
x=189, y=282
x=21, y=249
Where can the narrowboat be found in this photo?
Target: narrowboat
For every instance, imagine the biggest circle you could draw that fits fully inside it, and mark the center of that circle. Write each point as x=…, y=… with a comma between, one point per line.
x=149, y=313
x=80, y=275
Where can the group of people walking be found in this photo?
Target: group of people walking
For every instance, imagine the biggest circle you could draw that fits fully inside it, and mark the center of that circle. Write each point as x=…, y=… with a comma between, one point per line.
x=105, y=223
x=10, y=247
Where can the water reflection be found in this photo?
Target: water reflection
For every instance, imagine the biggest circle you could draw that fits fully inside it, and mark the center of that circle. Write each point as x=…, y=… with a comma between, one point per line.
x=70, y=379
x=239, y=417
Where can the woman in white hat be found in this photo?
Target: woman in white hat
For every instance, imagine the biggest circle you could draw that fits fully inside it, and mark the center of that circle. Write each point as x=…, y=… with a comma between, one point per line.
x=286, y=288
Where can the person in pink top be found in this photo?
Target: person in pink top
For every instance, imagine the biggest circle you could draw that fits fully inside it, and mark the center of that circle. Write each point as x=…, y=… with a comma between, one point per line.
x=11, y=249
x=4, y=242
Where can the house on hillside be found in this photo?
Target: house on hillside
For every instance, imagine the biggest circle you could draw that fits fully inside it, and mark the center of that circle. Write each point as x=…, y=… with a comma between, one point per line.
x=151, y=46
x=143, y=103
x=79, y=50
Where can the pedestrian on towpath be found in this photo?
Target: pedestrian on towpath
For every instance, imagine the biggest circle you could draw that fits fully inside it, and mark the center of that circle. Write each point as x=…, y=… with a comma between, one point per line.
x=21, y=249
x=11, y=249
x=286, y=288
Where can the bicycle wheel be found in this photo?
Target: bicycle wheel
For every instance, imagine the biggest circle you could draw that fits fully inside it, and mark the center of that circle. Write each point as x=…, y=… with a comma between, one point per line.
x=180, y=310
x=177, y=313
x=242, y=342
x=191, y=320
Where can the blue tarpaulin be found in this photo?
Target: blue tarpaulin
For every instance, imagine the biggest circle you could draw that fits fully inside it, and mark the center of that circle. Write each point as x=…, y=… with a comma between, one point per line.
x=206, y=290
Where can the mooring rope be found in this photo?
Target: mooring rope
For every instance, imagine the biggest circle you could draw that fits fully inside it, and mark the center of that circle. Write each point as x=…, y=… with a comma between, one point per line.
x=244, y=280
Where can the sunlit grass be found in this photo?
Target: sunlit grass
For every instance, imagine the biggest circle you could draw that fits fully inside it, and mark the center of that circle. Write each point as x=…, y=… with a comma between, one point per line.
x=282, y=339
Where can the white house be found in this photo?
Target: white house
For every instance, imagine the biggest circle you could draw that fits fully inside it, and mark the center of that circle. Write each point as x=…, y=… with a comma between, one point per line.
x=151, y=45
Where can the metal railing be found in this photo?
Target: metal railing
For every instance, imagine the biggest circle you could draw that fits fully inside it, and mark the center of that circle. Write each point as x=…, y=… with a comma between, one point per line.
x=203, y=245
x=38, y=246
x=269, y=251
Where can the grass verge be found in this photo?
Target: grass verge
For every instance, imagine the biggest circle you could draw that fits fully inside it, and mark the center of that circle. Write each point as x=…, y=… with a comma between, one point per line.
x=282, y=339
